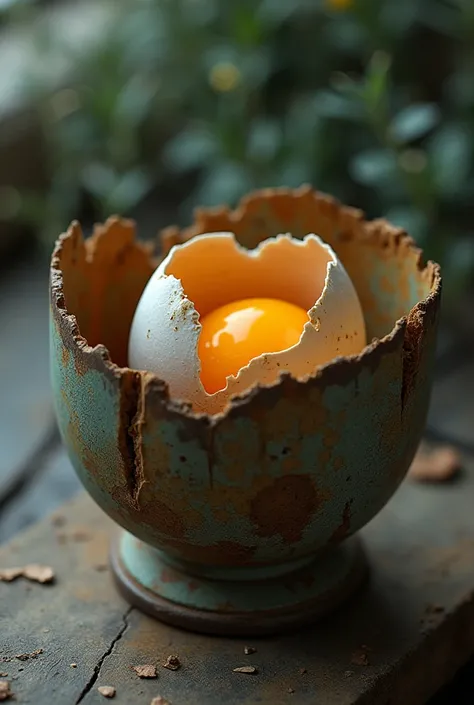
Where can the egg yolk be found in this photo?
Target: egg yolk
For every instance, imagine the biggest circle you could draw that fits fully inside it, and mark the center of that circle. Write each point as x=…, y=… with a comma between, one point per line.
x=234, y=334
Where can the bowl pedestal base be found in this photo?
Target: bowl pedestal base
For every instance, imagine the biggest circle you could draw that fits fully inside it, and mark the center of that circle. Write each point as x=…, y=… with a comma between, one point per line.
x=239, y=601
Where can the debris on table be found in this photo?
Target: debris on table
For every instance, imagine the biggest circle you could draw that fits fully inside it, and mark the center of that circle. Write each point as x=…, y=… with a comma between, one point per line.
x=291, y=691
x=147, y=670
x=108, y=691
x=35, y=572
x=172, y=663
x=248, y=650
x=159, y=700
x=73, y=665
x=437, y=464
x=22, y=657
x=9, y=574
x=38, y=573
x=5, y=692
x=27, y=657
x=246, y=669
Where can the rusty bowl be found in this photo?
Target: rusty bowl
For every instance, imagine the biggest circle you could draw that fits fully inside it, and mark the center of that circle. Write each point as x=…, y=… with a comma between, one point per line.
x=241, y=522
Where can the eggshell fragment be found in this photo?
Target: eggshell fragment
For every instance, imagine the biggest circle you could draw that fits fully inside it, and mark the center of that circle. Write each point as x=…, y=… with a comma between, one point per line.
x=211, y=270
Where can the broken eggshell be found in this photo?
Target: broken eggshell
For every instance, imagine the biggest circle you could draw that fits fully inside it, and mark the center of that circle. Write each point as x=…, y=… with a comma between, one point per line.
x=209, y=271
x=288, y=468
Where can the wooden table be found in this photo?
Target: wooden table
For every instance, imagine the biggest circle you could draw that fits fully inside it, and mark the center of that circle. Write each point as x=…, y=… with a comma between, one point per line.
x=356, y=656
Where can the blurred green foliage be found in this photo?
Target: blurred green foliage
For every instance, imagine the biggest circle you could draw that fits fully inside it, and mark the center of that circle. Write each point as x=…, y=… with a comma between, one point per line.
x=369, y=100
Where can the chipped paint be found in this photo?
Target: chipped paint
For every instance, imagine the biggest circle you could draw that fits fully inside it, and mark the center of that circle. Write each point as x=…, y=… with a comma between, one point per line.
x=287, y=469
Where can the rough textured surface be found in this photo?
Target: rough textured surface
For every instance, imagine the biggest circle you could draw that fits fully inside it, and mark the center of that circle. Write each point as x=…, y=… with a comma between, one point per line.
x=51, y=485
x=227, y=603
x=378, y=245
x=26, y=413
x=413, y=623
x=330, y=449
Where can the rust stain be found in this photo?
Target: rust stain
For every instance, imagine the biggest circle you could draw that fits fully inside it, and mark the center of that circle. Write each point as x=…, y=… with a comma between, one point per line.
x=219, y=554
x=421, y=321
x=168, y=575
x=330, y=438
x=290, y=465
x=286, y=507
x=129, y=433
x=386, y=285
x=165, y=520
x=344, y=527
x=65, y=356
x=80, y=363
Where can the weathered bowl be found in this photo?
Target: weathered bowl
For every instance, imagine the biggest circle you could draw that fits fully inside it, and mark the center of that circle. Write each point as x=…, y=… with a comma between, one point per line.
x=288, y=470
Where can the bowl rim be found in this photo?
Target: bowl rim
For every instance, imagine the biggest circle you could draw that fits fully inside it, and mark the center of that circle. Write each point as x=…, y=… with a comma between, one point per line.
x=405, y=334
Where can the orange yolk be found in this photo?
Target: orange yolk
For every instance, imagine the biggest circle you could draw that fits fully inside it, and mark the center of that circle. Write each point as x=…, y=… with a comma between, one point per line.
x=234, y=334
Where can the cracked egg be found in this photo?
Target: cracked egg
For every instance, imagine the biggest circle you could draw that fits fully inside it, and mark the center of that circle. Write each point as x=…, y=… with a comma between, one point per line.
x=215, y=319
x=262, y=480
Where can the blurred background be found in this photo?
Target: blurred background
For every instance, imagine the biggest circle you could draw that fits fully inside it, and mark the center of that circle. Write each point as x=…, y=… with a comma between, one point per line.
x=148, y=108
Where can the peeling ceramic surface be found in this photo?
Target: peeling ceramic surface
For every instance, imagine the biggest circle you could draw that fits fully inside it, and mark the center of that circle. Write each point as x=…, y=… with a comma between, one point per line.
x=287, y=470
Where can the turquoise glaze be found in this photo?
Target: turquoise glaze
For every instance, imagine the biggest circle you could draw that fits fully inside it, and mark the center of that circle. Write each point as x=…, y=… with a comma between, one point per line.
x=200, y=592
x=288, y=472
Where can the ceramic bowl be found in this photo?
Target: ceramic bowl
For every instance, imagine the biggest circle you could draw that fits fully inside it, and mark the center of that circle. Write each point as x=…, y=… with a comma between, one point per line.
x=288, y=472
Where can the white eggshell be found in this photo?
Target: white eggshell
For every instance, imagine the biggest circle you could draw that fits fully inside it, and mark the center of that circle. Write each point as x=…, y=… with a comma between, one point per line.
x=211, y=270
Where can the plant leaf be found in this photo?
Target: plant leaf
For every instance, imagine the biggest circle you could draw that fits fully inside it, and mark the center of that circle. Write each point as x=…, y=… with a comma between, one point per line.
x=373, y=166
x=451, y=156
x=225, y=183
x=190, y=149
x=376, y=80
x=415, y=121
x=264, y=139
x=98, y=179
x=329, y=104
x=130, y=189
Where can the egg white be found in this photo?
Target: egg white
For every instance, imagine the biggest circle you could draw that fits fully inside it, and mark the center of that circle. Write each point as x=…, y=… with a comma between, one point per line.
x=211, y=270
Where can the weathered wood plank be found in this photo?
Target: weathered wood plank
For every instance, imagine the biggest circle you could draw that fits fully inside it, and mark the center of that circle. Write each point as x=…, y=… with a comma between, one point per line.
x=414, y=620
x=75, y=620
x=26, y=411
x=452, y=407
x=53, y=483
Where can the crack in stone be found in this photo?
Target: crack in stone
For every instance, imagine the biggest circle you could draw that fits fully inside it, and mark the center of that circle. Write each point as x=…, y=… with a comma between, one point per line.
x=95, y=675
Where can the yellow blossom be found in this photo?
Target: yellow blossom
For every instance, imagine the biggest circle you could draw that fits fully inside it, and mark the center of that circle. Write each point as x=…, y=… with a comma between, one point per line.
x=339, y=5
x=224, y=77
